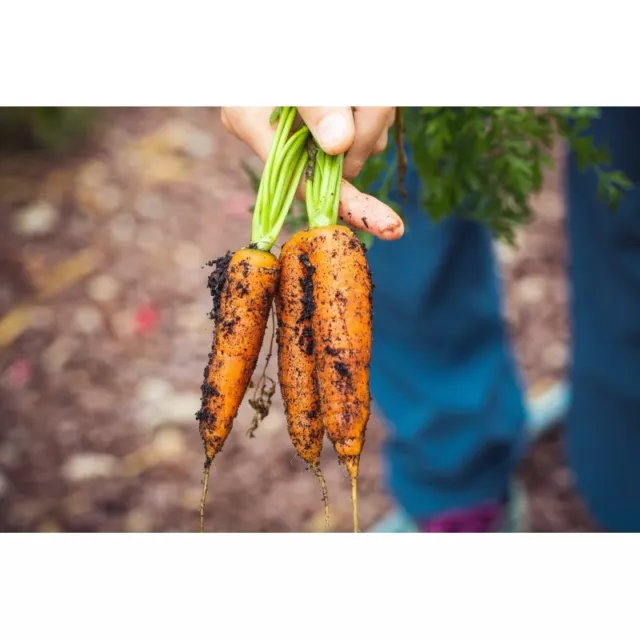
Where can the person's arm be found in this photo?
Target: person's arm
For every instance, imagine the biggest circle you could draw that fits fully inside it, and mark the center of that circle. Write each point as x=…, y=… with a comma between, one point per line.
x=358, y=132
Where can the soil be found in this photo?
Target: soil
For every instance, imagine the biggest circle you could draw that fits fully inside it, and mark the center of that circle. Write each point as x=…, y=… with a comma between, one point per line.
x=104, y=334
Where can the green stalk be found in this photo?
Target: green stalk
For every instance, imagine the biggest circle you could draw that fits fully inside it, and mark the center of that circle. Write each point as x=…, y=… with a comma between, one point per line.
x=327, y=171
x=280, y=178
x=309, y=196
x=288, y=116
x=337, y=185
x=269, y=240
x=317, y=181
x=259, y=223
x=290, y=154
x=283, y=170
x=322, y=206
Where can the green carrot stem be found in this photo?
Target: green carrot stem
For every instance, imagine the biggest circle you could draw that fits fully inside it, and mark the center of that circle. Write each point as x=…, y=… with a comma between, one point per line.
x=264, y=209
x=283, y=170
x=288, y=115
x=326, y=176
x=317, y=179
x=323, y=207
x=310, y=202
x=259, y=223
x=267, y=242
x=291, y=154
x=282, y=131
x=337, y=186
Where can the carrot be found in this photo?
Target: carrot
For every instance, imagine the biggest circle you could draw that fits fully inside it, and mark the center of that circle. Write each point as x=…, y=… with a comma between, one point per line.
x=243, y=286
x=296, y=364
x=342, y=334
x=342, y=316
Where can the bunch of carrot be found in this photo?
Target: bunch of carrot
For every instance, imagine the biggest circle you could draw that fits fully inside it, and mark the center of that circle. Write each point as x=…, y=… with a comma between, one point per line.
x=321, y=286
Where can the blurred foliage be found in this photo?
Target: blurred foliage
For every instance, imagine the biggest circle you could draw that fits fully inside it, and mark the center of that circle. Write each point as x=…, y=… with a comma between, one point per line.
x=51, y=129
x=485, y=163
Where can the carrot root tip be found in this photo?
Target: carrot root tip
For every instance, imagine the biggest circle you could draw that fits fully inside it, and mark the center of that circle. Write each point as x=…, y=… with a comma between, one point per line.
x=354, y=503
x=205, y=488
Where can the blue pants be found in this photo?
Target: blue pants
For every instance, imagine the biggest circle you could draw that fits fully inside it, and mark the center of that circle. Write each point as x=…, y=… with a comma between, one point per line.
x=443, y=374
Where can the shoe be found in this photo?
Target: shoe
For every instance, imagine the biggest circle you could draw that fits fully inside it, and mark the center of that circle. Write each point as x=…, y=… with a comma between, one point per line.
x=486, y=518
x=545, y=410
x=483, y=518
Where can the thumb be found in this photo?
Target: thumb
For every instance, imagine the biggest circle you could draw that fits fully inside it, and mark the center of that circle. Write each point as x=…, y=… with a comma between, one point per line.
x=332, y=127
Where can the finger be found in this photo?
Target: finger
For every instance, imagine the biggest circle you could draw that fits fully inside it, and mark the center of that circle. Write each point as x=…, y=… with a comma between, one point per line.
x=332, y=127
x=381, y=144
x=369, y=214
x=392, y=117
x=252, y=126
x=370, y=123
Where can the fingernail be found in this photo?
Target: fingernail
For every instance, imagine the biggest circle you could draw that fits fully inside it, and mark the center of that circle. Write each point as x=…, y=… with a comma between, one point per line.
x=332, y=131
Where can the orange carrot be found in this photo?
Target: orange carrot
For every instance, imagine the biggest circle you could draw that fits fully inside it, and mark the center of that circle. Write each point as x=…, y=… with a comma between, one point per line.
x=342, y=315
x=242, y=286
x=296, y=365
x=342, y=335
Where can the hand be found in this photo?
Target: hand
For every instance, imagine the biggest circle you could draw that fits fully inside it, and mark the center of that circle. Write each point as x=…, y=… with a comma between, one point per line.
x=358, y=133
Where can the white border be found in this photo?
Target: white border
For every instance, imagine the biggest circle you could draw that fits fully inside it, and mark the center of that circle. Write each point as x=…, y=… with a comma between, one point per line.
x=325, y=586
x=205, y=53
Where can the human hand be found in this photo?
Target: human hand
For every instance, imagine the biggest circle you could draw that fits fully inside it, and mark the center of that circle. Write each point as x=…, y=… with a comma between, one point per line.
x=358, y=132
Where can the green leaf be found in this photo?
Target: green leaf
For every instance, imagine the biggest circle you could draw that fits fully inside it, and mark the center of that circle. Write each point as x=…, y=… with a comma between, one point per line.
x=485, y=163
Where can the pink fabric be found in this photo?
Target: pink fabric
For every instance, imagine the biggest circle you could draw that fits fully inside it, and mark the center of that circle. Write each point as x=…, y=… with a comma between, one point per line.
x=484, y=518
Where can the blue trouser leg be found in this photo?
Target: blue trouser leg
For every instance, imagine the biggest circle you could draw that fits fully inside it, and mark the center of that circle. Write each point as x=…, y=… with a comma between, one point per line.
x=442, y=372
x=603, y=427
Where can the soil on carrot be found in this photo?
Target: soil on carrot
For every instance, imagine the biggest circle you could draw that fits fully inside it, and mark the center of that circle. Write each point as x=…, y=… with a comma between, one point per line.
x=104, y=332
x=216, y=282
x=308, y=304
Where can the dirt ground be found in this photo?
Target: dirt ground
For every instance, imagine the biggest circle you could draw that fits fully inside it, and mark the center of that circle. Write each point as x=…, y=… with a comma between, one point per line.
x=104, y=334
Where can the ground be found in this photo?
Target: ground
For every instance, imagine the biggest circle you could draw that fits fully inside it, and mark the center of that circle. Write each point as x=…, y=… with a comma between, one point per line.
x=104, y=333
